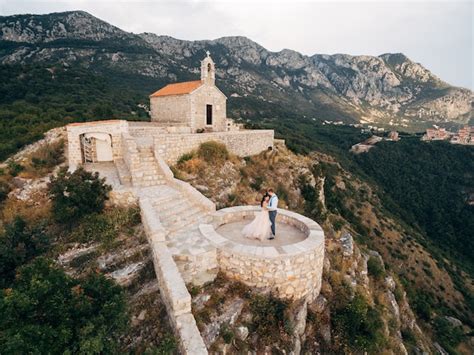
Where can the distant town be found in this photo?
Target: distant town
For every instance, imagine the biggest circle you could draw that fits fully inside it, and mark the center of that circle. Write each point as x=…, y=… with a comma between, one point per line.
x=464, y=135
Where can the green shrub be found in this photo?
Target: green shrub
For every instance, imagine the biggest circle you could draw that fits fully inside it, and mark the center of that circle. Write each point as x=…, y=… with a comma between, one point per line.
x=48, y=156
x=268, y=316
x=422, y=303
x=185, y=157
x=15, y=168
x=105, y=227
x=447, y=334
x=94, y=227
x=375, y=268
x=257, y=183
x=4, y=190
x=48, y=312
x=167, y=346
x=213, y=152
x=77, y=194
x=338, y=224
x=358, y=325
x=227, y=334
x=18, y=245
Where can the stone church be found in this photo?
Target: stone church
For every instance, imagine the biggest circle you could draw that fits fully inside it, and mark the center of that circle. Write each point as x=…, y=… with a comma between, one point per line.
x=183, y=115
x=198, y=104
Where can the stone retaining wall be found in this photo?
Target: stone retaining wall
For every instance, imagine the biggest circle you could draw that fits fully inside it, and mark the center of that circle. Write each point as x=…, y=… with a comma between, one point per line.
x=242, y=143
x=173, y=290
x=122, y=197
x=291, y=271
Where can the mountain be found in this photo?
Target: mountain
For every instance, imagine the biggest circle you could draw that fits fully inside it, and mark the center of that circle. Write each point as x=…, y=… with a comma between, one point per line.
x=388, y=90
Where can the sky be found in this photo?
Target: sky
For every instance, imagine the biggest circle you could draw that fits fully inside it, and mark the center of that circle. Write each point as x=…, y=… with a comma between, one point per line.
x=439, y=34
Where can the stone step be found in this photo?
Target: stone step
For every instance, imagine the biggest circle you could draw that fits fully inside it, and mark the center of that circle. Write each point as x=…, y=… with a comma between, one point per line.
x=182, y=224
x=148, y=183
x=179, y=209
x=161, y=207
x=163, y=200
x=184, y=215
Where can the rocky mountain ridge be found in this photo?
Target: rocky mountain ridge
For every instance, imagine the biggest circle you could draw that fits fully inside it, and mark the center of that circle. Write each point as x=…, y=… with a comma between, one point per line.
x=389, y=89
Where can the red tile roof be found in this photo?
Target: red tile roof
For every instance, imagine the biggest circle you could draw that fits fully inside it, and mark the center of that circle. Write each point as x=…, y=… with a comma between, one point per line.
x=178, y=88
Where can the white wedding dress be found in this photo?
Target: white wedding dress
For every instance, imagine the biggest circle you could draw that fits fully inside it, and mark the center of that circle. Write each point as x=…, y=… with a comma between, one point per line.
x=259, y=228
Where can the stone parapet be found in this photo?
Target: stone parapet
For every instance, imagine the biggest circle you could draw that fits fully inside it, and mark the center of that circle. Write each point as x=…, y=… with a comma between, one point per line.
x=153, y=228
x=242, y=143
x=291, y=271
x=173, y=290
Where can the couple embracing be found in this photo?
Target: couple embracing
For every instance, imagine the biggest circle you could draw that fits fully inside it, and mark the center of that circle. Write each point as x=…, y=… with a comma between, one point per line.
x=263, y=226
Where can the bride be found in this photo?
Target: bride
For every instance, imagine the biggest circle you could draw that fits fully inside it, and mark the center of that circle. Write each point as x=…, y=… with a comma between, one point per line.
x=259, y=228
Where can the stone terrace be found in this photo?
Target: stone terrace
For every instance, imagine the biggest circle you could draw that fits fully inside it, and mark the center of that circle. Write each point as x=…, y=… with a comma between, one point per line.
x=179, y=221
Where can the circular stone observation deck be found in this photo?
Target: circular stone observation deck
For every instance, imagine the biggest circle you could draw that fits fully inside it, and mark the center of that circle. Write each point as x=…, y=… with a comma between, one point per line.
x=290, y=266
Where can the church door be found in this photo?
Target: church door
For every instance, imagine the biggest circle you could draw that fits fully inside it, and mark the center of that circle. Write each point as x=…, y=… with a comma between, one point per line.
x=209, y=115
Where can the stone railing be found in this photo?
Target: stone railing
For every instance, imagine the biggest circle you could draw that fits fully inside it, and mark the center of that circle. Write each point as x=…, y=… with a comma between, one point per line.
x=173, y=290
x=151, y=222
x=189, y=191
x=292, y=271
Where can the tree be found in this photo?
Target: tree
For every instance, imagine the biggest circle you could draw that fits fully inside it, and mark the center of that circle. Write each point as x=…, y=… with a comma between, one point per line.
x=77, y=194
x=18, y=245
x=48, y=312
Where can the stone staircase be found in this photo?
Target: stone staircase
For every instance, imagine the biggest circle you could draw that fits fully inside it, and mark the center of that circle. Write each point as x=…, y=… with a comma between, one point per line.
x=180, y=217
x=194, y=256
x=148, y=173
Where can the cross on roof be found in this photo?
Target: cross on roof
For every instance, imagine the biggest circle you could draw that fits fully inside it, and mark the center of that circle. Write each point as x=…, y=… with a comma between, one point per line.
x=208, y=53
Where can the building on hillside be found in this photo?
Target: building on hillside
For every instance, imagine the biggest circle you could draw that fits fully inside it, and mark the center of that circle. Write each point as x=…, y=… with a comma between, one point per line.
x=197, y=104
x=183, y=115
x=435, y=134
x=465, y=135
x=393, y=136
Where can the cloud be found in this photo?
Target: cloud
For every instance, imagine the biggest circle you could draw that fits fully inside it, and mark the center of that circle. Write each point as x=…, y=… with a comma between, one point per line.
x=438, y=34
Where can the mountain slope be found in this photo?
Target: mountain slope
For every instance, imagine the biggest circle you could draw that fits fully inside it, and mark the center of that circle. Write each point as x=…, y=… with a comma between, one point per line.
x=389, y=89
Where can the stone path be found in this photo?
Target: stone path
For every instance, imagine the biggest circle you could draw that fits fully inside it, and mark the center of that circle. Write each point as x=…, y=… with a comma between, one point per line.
x=193, y=254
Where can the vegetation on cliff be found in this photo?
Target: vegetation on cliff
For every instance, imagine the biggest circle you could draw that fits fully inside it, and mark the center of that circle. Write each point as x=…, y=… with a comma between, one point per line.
x=59, y=281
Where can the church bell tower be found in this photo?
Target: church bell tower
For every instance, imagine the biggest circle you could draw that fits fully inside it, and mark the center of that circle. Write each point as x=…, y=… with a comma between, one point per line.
x=208, y=70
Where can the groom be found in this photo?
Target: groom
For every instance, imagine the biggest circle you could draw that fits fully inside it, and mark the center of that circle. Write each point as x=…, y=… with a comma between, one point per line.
x=272, y=210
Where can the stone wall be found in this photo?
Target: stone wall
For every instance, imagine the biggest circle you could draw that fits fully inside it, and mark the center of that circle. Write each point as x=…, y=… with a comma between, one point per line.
x=173, y=290
x=169, y=145
x=174, y=109
x=74, y=131
x=242, y=143
x=291, y=271
x=122, y=197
